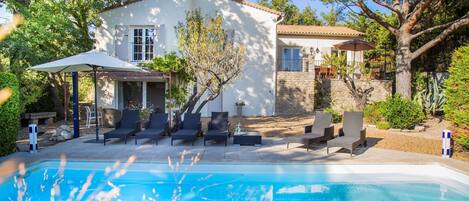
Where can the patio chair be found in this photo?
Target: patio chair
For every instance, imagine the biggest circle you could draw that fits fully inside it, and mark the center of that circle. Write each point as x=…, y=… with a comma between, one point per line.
x=155, y=128
x=218, y=128
x=352, y=134
x=91, y=116
x=127, y=126
x=189, y=129
x=321, y=130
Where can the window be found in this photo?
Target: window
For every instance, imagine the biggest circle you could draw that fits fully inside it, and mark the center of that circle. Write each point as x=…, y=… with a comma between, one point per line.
x=143, y=43
x=291, y=60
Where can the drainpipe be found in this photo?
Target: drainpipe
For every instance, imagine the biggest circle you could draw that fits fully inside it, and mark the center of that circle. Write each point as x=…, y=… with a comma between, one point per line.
x=279, y=20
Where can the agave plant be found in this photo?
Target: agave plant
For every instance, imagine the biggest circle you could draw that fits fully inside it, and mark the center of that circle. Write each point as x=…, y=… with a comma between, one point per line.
x=432, y=98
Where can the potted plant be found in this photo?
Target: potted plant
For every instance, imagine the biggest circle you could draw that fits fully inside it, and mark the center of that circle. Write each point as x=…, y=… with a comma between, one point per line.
x=239, y=108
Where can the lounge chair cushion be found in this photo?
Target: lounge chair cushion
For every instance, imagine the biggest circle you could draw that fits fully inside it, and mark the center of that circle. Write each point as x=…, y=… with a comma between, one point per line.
x=184, y=134
x=158, y=121
x=316, y=131
x=150, y=133
x=120, y=131
x=129, y=119
x=322, y=120
x=353, y=124
x=191, y=121
x=346, y=142
x=216, y=132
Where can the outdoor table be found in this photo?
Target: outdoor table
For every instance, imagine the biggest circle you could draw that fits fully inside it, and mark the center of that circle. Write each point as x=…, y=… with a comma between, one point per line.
x=247, y=138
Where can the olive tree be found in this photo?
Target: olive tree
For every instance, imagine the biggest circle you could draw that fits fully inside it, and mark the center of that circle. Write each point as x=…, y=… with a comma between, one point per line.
x=213, y=58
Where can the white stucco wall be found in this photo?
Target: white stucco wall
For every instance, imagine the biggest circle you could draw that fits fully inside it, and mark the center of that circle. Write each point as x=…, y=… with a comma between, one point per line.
x=106, y=93
x=255, y=29
x=320, y=42
x=162, y=14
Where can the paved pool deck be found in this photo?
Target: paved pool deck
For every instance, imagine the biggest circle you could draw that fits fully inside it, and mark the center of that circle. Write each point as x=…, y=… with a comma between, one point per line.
x=273, y=150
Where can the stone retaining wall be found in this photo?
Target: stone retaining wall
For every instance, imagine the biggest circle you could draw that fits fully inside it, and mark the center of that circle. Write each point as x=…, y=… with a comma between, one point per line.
x=295, y=93
x=341, y=98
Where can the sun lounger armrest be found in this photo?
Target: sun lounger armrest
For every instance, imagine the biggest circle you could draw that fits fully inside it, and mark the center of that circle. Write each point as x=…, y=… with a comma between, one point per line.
x=341, y=132
x=137, y=125
x=308, y=128
x=329, y=132
x=209, y=125
x=147, y=124
x=363, y=134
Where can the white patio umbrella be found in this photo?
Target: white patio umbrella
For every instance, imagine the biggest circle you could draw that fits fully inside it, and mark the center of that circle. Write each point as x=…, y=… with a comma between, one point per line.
x=88, y=61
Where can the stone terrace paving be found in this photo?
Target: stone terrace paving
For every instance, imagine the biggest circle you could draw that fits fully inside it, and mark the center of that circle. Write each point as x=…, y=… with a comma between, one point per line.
x=273, y=150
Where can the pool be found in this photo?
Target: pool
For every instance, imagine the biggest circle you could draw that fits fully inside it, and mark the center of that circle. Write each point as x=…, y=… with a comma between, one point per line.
x=234, y=181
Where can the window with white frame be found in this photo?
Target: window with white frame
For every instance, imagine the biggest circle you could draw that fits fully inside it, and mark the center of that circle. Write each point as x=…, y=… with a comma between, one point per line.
x=143, y=43
x=291, y=59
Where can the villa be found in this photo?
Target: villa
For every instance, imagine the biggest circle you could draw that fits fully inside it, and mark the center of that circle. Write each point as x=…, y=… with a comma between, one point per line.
x=281, y=60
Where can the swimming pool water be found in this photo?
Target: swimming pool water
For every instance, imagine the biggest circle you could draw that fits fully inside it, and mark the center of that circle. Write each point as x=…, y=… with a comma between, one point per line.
x=157, y=181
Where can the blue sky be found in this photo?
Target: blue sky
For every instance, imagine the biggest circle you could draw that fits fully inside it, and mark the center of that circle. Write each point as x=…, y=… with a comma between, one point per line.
x=315, y=4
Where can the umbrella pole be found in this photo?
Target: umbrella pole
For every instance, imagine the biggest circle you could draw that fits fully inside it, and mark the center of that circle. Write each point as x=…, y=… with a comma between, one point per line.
x=96, y=102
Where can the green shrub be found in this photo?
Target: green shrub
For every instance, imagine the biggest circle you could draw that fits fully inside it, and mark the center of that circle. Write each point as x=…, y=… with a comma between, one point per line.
x=9, y=115
x=457, y=89
x=463, y=140
x=374, y=112
x=402, y=113
x=383, y=125
x=336, y=117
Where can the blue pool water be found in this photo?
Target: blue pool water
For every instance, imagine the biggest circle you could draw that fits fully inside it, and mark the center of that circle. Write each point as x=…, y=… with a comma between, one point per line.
x=157, y=181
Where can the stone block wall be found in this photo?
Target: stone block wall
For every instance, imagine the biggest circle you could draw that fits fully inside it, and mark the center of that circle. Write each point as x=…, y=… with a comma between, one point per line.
x=341, y=99
x=295, y=93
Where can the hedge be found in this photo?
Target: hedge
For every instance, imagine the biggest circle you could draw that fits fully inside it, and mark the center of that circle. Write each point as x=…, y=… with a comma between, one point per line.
x=457, y=89
x=9, y=115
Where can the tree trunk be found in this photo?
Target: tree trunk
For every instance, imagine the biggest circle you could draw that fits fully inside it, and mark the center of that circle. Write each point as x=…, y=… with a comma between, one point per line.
x=403, y=66
x=57, y=98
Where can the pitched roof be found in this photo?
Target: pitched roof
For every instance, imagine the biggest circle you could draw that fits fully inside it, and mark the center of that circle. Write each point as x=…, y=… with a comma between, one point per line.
x=302, y=30
x=243, y=2
x=258, y=6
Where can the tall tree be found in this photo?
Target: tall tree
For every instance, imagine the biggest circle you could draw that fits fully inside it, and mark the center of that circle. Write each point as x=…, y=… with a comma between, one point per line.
x=376, y=34
x=411, y=16
x=212, y=58
x=309, y=17
x=333, y=17
x=52, y=30
x=292, y=14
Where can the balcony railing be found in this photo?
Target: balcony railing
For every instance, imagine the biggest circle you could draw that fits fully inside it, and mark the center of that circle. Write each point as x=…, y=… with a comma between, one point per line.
x=326, y=70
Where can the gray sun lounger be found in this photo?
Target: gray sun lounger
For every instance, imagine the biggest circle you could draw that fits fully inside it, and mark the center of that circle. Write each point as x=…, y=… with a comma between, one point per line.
x=218, y=128
x=352, y=134
x=321, y=130
x=127, y=126
x=189, y=129
x=155, y=128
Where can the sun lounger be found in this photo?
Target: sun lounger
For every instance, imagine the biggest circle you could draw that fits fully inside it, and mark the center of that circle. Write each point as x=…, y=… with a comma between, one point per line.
x=352, y=134
x=127, y=126
x=189, y=129
x=321, y=130
x=155, y=128
x=218, y=128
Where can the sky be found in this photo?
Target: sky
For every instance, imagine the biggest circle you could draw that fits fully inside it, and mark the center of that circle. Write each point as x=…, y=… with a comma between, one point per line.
x=315, y=4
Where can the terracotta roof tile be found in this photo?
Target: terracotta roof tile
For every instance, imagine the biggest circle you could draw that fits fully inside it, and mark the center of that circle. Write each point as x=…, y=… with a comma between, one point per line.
x=302, y=30
x=243, y=2
x=258, y=6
